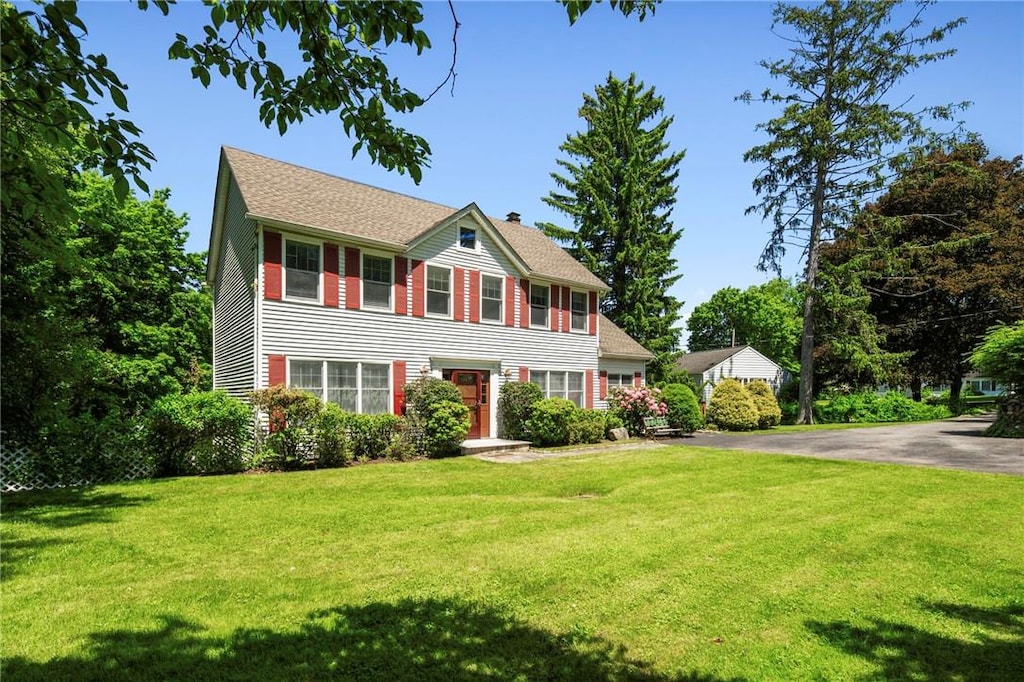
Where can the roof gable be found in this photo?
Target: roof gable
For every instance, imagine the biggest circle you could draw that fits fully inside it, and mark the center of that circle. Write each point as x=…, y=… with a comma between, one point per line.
x=279, y=193
x=702, y=361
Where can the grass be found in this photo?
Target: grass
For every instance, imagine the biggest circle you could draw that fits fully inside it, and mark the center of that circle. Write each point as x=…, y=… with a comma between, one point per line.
x=679, y=563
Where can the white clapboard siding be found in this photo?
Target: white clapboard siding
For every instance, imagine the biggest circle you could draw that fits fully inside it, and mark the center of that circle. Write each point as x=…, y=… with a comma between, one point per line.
x=234, y=330
x=746, y=365
x=618, y=366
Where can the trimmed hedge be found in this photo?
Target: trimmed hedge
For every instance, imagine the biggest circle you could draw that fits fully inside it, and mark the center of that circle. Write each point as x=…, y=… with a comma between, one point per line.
x=769, y=413
x=683, y=408
x=586, y=426
x=515, y=404
x=731, y=407
x=437, y=416
x=549, y=422
x=206, y=432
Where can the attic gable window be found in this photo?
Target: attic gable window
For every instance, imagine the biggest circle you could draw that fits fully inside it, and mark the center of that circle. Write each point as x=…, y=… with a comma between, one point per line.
x=302, y=270
x=467, y=238
x=377, y=281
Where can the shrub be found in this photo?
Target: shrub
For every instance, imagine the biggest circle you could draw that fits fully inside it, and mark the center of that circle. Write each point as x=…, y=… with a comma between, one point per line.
x=731, y=407
x=331, y=441
x=769, y=413
x=632, y=405
x=370, y=435
x=207, y=432
x=291, y=418
x=515, y=403
x=790, y=411
x=683, y=408
x=869, y=407
x=437, y=415
x=549, y=423
x=586, y=426
x=611, y=421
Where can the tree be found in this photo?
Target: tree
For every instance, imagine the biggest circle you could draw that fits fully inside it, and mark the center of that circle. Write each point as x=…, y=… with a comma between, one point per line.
x=836, y=137
x=619, y=190
x=942, y=256
x=1001, y=356
x=765, y=316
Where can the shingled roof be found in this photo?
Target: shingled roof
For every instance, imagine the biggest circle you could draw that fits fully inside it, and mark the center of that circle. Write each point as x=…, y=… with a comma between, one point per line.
x=702, y=361
x=615, y=343
x=284, y=193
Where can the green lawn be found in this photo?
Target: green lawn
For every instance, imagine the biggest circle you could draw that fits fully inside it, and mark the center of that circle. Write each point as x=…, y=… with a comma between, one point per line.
x=676, y=563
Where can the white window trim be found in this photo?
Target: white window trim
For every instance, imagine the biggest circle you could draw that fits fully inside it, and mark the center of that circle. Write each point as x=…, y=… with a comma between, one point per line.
x=586, y=312
x=547, y=308
x=362, y=282
x=565, y=383
x=476, y=239
x=451, y=291
x=284, y=271
x=359, y=377
x=501, y=299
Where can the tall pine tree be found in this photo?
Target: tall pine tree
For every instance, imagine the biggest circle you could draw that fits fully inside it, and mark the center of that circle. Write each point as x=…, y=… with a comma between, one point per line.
x=619, y=190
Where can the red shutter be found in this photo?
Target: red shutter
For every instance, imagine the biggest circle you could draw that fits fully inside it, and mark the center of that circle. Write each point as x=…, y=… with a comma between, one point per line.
x=637, y=379
x=459, y=294
x=331, y=275
x=524, y=303
x=272, y=265
x=510, y=301
x=567, y=309
x=588, y=390
x=398, y=376
x=419, y=287
x=474, y=295
x=524, y=374
x=353, y=281
x=401, y=286
x=276, y=370
x=602, y=385
x=592, y=314
x=555, y=294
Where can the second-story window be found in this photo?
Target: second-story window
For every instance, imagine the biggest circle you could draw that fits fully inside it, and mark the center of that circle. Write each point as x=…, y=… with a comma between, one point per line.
x=439, y=287
x=376, y=281
x=539, y=305
x=579, y=311
x=490, y=298
x=302, y=270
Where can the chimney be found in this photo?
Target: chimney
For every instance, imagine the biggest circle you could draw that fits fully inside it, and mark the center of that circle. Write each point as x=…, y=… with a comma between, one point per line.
x=512, y=217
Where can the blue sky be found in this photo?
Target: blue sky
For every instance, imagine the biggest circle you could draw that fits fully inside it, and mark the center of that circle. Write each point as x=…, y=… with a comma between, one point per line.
x=522, y=71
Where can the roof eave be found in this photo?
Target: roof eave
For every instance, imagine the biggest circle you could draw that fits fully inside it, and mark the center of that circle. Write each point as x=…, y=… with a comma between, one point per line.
x=217, y=224
x=314, y=231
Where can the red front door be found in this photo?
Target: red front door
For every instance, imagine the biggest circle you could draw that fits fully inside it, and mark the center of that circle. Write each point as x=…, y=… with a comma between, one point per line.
x=473, y=386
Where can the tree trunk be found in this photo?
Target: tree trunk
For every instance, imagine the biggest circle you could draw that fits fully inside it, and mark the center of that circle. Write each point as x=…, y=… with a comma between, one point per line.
x=806, y=413
x=954, y=393
x=915, y=388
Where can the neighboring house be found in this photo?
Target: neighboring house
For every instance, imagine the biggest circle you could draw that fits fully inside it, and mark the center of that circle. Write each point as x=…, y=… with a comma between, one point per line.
x=707, y=367
x=351, y=292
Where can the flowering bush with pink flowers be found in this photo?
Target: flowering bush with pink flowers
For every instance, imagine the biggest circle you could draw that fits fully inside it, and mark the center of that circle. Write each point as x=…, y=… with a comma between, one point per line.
x=631, y=405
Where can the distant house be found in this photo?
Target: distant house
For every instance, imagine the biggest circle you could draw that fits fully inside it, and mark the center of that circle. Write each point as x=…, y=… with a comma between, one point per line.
x=707, y=367
x=350, y=292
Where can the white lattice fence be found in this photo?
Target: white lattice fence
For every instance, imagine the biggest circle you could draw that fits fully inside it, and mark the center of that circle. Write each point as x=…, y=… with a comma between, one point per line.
x=19, y=470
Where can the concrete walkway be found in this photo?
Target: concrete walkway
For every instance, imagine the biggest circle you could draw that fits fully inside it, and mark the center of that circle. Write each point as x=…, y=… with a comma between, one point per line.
x=949, y=444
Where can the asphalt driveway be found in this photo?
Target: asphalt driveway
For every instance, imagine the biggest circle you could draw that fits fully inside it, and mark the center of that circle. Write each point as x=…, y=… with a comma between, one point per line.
x=949, y=444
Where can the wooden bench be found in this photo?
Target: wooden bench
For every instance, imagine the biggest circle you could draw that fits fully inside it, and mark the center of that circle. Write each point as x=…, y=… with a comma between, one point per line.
x=658, y=426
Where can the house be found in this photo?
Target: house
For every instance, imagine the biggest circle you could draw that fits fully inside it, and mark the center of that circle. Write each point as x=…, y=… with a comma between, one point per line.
x=351, y=292
x=707, y=367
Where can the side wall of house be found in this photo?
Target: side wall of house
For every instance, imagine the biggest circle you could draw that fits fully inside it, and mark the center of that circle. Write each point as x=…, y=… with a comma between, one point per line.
x=617, y=367
x=234, y=304
x=747, y=366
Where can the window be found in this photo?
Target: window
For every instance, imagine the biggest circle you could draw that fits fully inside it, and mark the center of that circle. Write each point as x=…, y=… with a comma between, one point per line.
x=539, y=305
x=361, y=387
x=302, y=270
x=560, y=385
x=376, y=281
x=579, y=310
x=490, y=298
x=620, y=380
x=467, y=238
x=439, y=287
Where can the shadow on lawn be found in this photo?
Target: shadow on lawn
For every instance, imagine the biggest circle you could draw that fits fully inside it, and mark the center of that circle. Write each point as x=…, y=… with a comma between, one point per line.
x=408, y=640
x=67, y=507
x=993, y=651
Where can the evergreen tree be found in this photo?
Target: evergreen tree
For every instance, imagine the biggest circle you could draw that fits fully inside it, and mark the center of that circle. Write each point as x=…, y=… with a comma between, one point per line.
x=619, y=190
x=837, y=137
